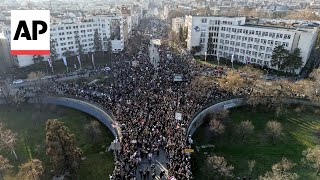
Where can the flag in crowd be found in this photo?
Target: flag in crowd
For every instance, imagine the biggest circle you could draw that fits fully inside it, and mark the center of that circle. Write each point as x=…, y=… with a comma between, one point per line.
x=93, y=61
x=50, y=62
x=78, y=57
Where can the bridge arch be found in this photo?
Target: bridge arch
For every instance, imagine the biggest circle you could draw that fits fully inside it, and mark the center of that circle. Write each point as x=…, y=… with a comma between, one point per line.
x=84, y=106
x=198, y=118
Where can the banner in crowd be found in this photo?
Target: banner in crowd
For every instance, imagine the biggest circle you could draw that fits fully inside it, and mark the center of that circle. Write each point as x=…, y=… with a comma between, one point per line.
x=178, y=116
x=78, y=57
x=93, y=61
x=178, y=77
x=64, y=60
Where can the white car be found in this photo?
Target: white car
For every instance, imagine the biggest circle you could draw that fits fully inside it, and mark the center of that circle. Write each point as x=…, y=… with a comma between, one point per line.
x=17, y=81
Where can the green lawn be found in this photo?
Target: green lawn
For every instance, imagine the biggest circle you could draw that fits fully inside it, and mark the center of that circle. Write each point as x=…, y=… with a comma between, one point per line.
x=30, y=126
x=299, y=134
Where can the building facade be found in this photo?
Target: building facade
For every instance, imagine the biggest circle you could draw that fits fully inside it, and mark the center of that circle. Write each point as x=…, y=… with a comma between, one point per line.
x=70, y=34
x=109, y=27
x=229, y=36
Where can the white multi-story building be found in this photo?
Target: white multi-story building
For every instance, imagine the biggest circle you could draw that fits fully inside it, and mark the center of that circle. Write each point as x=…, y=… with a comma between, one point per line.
x=177, y=23
x=248, y=43
x=65, y=34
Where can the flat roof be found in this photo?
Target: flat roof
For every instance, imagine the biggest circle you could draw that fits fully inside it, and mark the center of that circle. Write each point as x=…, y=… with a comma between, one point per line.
x=278, y=27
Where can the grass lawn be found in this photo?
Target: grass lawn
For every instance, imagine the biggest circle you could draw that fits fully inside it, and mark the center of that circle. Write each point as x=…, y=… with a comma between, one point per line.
x=299, y=133
x=30, y=126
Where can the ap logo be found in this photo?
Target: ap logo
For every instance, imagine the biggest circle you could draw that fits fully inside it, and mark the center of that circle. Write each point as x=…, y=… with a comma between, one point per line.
x=30, y=32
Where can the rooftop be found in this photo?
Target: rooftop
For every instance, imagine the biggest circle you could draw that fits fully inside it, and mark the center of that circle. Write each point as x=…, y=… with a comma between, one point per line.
x=301, y=28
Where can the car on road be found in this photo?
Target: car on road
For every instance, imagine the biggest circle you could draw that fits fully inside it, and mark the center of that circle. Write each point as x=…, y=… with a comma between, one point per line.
x=18, y=81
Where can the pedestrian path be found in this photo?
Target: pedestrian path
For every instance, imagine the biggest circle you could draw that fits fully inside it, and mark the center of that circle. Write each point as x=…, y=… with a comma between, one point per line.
x=160, y=165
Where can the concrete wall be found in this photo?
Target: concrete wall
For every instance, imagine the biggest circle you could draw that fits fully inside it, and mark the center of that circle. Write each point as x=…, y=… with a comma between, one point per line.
x=86, y=107
x=89, y=108
x=198, y=119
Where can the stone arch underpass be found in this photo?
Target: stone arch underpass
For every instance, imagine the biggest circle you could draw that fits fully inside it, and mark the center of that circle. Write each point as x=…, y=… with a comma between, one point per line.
x=90, y=108
x=198, y=118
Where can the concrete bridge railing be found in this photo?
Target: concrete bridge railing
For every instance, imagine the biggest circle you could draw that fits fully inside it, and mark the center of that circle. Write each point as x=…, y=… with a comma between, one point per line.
x=84, y=106
x=198, y=118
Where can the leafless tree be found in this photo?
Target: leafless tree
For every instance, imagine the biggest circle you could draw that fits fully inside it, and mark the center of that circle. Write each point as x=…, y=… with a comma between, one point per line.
x=251, y=165
x=5, y=167
x=281, y=171
x=93, y=130
x=274, y=129
x=312, y=86
x=220, y=166
x=305, y=14
x=8, y=139
x=232, y=81
x=201, y=84
x=217, y=127
x=13, y=98
x=217, y=120
x=31, y=170
x=312, y=157
x=244, y=129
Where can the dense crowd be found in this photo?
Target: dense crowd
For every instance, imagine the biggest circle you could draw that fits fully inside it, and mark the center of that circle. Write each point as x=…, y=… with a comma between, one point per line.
x=144, y=101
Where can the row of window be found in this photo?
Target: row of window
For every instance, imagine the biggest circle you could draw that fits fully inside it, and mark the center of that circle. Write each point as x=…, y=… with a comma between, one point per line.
x=247, y=59
x=258, y=33
x=73, y=48
x=75, y=27
x=251, y=39
x=247, y=52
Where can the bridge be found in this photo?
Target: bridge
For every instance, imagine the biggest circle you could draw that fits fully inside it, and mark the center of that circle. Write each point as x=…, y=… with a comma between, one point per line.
x=198, y=118
x=91, y=108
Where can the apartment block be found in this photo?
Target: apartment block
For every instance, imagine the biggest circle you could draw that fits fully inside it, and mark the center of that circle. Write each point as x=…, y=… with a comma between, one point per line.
x=229, y=36
x=65, y=34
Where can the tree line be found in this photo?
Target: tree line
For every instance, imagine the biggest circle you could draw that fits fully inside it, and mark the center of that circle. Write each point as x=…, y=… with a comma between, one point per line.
x=221, y=169
x=65, y=157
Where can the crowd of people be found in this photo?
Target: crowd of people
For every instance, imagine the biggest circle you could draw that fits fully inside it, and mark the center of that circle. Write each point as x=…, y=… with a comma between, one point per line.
x=144, y=101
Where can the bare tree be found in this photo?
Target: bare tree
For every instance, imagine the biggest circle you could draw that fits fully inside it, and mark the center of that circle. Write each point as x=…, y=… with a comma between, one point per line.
x=31, y=170
x=244, y=129
x=13, y=98
x=312, y=87
x=220, y=166
x=281, y=171
x=5, y=167
x=217, y=127
x=274, y=129
x=305, y=14
x=8, y=139
x=217, y=120
x=271, y=93
x=312, y=157
x=232, y=81
x=35, y=75
x=38, y=82
x=93, y=130
x=251, y=165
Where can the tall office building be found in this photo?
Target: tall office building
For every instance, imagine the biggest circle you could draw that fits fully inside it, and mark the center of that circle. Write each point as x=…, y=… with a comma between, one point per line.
x=229, y=36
